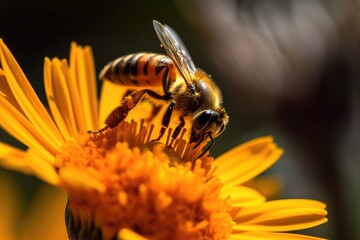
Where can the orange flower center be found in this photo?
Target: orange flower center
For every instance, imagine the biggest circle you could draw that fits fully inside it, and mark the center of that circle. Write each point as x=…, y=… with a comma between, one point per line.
x=131, y=182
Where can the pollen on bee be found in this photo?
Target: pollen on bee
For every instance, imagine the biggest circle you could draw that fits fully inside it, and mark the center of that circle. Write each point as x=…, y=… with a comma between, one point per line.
x=129, y=102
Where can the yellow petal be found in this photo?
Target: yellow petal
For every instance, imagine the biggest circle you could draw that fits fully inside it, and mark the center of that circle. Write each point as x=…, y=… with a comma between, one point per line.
x=45, y=217
x=41, y=168
x=13, y=158
x=27, y=162
x=270, y=186
x=241, y=196
x=90, y=97
x=75, y=99
x=247, y=161
x=18, y=126
x=82, y=69
x=80, y=180
x=5, y=91
x=28, y=100
x=110, y=97
x=127, y=234
x=271, y=236
x=58, y=96
x=281, y=215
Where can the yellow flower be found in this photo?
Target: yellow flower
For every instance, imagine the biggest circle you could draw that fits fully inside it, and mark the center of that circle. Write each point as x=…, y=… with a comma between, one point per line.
x=121, y=184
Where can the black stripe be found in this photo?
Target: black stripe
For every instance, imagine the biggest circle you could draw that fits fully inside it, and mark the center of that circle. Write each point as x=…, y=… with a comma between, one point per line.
x=134, y=66
x=128, y=65
x=145, y=69
x=118, y=66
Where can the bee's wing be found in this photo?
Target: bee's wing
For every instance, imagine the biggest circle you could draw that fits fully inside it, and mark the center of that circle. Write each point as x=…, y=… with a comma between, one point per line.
x=185, y=53
x=176, y=50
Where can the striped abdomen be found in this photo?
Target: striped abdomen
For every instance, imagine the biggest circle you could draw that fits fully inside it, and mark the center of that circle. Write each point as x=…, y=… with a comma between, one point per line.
x=139, y=70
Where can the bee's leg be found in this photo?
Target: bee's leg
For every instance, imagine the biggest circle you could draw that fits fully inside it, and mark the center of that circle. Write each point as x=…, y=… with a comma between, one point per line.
x=166, y=120
x=177, y=130
x=114, y=118
x=98, y=131
x=166, y=83
x=129, y=102
x=128, y=92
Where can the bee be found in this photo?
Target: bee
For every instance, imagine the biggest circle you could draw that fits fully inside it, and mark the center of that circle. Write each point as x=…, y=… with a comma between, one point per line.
x=186, y=89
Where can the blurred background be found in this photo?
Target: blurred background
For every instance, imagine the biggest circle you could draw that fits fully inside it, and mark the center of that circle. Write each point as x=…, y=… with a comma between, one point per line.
x=287, y=68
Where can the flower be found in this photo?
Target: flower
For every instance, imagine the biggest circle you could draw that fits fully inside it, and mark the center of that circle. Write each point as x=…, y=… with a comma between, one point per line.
x=120, y=183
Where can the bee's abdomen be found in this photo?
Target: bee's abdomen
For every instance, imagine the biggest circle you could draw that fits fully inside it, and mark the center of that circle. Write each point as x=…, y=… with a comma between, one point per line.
x=139, y=69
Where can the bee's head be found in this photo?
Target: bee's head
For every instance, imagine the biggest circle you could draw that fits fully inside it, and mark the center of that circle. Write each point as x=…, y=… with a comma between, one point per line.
x=208, y=122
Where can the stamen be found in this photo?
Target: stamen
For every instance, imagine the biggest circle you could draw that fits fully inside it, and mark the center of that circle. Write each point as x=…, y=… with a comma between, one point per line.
x=182, y=133
x=150, y=132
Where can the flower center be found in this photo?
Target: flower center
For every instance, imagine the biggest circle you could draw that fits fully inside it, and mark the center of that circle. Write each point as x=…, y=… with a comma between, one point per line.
x=119, y=179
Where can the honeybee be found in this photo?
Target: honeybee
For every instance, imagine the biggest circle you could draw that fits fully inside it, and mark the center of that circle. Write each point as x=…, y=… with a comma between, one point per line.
x=186, y=89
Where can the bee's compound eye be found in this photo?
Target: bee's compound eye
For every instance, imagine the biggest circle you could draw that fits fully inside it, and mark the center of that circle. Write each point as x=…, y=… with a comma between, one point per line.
x=203, y=119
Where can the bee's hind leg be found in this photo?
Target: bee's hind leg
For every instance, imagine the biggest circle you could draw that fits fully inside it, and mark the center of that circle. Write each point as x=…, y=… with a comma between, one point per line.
x=98, y=131
x=120, y=112
x=129, y=102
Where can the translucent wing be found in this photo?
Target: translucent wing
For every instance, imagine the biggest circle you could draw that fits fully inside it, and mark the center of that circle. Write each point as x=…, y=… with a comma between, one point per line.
x=185, y=53
x=176, y=50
